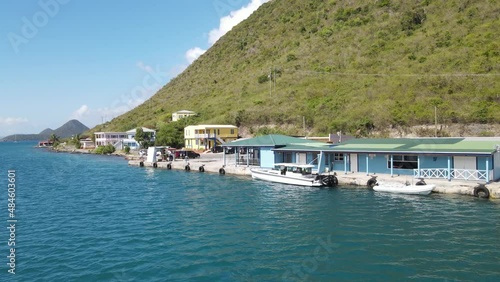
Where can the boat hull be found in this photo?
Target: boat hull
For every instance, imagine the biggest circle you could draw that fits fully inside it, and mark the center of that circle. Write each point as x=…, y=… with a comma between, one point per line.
x=404, y=189
x=274, y=176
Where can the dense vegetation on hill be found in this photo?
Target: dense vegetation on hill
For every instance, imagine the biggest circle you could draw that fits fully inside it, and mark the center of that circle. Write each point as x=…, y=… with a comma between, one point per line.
x=355, y=66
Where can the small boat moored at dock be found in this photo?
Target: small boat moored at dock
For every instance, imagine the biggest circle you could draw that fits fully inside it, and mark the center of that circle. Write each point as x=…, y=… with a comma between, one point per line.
x=419, y=188
x=295, y=174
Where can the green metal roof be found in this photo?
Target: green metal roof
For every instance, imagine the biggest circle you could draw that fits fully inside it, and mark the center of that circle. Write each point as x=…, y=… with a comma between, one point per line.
x=306, y=147
x=273, y=140
x=418, y=145
x=463, y=146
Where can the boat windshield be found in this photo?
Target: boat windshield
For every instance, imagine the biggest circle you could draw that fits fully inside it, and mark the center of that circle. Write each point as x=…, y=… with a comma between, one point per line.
x=294, y=169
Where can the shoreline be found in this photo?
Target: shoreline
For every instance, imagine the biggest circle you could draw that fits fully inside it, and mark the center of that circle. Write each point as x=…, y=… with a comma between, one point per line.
x=356, y=180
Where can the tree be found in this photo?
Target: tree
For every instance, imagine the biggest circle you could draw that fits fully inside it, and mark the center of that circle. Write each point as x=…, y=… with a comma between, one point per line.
x=76, y=141
x=140, y=136
x=103, y=150
x=172, y=134
x=54, y=139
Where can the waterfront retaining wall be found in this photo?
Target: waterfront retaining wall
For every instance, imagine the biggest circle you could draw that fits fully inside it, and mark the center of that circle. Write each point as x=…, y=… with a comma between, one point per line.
x=350, y=180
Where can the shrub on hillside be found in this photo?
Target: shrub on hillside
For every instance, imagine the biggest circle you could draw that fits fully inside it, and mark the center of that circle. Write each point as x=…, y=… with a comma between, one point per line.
x=108, y=149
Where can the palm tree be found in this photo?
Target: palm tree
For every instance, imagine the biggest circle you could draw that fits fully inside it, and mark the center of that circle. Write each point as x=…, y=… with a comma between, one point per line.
x=53, y=138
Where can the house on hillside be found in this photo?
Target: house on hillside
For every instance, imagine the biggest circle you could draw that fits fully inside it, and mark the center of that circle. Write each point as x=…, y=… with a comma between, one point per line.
x=108, y=138
x=87, y=143
x=204, y=137
x=122, y=139
x=182, y=114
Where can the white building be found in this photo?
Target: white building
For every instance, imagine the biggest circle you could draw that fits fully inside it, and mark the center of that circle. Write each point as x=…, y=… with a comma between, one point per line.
x=109, y=138
x=182, y=114
x=122, y=139
x=87, y=144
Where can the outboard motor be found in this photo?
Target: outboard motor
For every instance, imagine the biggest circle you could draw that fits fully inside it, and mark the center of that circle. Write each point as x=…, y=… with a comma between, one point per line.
x=330, y=180
x=372, y=182
x=421, y=182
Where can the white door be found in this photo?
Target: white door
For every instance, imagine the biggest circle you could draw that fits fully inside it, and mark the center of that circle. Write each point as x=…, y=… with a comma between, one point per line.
x=354, y=162
x=465, y=166
x=301, y=158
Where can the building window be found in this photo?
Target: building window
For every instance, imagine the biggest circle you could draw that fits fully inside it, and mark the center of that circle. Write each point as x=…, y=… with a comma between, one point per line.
x=287, y=157
x=232, y=131
x=403, y=162
x=315, y=160
x=338, y=157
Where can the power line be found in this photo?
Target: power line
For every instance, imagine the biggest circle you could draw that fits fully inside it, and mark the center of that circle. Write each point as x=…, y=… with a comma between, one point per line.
x=394, y=75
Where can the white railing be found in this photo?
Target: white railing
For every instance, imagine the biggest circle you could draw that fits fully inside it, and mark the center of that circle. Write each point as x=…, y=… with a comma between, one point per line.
x=242, y=162
x=211, y=136
x=431, y=173
x=443, y=173
x=468, y=174
x=199, y=136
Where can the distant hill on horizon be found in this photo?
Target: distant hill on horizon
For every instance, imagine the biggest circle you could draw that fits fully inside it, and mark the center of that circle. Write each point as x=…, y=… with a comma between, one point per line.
x=70, y=128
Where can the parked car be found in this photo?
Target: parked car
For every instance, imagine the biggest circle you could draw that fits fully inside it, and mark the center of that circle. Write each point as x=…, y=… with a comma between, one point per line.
x=217, y=149
x=183, y=153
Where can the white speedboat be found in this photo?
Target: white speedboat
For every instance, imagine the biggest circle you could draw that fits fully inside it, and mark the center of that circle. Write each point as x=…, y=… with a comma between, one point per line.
x=420, y=188
x=296, y=174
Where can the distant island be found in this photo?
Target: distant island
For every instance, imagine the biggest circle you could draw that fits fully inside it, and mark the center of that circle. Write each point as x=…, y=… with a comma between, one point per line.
x=70, y=128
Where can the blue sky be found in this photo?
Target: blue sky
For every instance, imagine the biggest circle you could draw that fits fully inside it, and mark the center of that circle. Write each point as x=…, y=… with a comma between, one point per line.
x=94, y=60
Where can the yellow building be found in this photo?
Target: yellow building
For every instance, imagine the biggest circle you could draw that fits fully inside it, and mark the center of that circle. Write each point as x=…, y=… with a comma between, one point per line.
x=204, y=137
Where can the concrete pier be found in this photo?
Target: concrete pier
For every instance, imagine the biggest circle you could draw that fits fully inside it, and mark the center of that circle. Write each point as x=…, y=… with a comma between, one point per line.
x=213, y=165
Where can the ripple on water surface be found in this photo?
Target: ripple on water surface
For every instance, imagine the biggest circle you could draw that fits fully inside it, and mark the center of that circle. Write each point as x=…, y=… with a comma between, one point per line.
x=88, y=218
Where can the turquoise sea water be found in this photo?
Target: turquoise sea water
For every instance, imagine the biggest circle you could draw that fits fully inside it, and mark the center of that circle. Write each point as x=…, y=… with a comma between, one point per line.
x=94, y=218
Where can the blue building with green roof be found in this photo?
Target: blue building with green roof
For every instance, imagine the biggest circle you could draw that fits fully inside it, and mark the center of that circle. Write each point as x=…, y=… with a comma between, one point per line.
x=469, y=158
x=449, y=158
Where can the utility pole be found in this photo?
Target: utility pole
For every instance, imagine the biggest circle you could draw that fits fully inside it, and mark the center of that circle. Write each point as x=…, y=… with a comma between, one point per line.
x=304, y=125
x=271, y=82
x=435, y=122
x=274, y=79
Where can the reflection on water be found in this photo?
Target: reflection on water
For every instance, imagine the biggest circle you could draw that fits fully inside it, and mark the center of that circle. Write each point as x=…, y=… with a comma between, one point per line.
x=97, y=219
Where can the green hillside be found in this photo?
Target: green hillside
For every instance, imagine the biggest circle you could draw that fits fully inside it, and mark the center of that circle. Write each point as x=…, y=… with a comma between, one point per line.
x=344, y=65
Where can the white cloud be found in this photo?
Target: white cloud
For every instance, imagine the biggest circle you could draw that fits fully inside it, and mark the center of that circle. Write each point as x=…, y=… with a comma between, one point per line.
x=144, y=67
x=176, y=70
x=92, y=117
x=226, y=23
x=193, y=54
x=81, y=112
x=12, y=121
x=234, y=18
